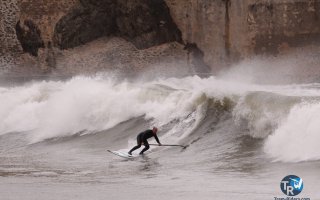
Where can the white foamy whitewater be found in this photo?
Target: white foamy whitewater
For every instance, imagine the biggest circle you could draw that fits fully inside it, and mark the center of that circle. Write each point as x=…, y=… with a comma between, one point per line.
x=285, y=116
x=237, y=134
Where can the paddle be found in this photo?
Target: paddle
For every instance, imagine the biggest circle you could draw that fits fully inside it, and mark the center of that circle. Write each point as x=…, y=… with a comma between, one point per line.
x=169, y=145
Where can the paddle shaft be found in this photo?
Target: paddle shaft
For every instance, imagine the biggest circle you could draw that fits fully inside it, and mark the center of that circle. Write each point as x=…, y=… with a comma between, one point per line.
x=168, y=145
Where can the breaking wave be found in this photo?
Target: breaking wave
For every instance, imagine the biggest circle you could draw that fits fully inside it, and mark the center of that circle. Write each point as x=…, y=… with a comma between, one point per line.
x=285, y=116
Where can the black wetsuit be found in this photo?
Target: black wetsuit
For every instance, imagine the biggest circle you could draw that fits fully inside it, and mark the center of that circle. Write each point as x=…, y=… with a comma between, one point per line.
x=142, y=139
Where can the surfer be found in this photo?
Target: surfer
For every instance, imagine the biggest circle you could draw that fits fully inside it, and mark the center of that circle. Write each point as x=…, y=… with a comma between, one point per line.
x=142, y=139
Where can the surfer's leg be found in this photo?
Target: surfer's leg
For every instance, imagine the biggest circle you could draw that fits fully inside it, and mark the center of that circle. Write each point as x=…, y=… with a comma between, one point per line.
x=146, y=147
x=134, y=148
x=139, y=142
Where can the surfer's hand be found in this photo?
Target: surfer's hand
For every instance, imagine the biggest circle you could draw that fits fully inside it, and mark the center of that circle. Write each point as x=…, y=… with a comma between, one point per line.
x=160, y=144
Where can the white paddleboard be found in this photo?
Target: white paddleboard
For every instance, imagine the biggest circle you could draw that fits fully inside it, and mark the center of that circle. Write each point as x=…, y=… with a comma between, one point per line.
x=122, y=154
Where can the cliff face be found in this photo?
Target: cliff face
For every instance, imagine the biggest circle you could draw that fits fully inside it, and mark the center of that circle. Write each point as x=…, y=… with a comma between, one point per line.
x=40, y=28
x=275, y=24
x=145, y=23
x=202, y=22
x=219, y=31
x=9, y=44
x=26, y=26
x=229, y=30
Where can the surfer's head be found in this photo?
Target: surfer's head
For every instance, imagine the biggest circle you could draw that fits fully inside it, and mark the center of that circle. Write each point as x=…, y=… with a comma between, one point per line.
x=155, y=129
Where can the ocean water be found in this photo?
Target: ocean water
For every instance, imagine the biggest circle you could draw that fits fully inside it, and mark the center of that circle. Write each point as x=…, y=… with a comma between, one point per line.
x=242, y=138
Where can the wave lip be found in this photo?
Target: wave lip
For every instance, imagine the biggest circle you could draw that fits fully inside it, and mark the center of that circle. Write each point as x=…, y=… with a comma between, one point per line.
x=297, y=138
x=88, y=105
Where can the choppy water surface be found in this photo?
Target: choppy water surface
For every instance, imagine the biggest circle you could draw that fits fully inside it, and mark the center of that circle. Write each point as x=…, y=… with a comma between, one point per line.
x=242, y=138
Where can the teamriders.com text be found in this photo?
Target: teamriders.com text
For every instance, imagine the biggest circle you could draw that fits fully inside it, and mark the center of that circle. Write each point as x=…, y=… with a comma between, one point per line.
x=291, y=198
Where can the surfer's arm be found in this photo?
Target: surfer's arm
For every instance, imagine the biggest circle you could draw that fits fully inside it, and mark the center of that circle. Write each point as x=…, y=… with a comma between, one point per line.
x=157, y=139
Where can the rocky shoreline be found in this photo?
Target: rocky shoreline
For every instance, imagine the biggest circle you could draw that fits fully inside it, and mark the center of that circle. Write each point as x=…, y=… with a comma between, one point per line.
x=84, y=36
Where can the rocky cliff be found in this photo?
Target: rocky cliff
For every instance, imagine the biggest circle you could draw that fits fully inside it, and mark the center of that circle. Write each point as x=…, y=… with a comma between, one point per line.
x=145, y=23
x=25, y=27
x=205, y=32
x=229, y=30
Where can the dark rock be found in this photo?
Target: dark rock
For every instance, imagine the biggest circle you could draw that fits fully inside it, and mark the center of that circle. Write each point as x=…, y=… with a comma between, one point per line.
x=83, y=25
x=145, y=23
x=29, y=37
x=196, y=57
x=50, y=56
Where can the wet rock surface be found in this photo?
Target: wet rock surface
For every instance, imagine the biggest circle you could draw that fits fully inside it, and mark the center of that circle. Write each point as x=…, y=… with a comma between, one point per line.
x=29, y=36
x=145, y=23
x=223, y=31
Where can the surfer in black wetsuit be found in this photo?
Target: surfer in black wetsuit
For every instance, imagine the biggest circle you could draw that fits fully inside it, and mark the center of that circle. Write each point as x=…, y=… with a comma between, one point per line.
x=142, y=139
